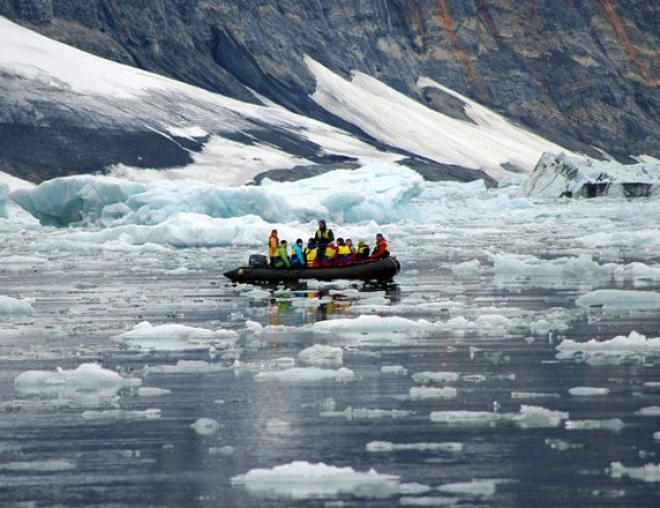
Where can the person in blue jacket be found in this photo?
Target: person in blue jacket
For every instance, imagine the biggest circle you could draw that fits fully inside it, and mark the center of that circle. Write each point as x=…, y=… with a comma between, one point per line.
x=297, y=256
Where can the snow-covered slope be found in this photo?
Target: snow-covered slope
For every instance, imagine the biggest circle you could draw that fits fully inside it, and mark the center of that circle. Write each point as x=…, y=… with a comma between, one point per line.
x=127, y=121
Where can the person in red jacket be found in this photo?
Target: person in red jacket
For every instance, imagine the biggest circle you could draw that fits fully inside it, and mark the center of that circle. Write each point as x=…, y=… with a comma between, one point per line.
x=380, y=250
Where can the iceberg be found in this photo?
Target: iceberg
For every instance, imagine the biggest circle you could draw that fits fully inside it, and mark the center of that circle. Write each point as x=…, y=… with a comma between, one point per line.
x=381, y=192
x=557, y=175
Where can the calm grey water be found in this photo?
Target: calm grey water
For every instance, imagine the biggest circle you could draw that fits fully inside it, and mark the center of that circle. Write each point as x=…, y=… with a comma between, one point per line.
x=84, y=299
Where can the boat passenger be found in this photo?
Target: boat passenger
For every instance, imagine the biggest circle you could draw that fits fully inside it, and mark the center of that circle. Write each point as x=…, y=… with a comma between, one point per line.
x=349, y=242
x=380, y=250
x=362, y=253
x=323, y=237
x=282, y=257
x=297, y=256
x=329, y=256
x=310, y=253
x=273, y=245
x=344, y=253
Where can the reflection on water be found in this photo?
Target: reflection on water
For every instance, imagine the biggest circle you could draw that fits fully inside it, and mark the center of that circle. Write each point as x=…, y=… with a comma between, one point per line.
x=297, y=305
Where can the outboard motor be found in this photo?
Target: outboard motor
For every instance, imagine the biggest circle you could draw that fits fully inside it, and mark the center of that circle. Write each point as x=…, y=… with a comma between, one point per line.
x=258, y=261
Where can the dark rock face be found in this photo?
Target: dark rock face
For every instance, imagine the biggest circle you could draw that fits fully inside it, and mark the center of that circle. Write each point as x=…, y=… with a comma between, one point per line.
x=583, y=74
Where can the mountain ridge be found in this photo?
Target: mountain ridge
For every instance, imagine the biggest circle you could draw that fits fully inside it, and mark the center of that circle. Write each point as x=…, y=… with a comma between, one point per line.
x=583, y=75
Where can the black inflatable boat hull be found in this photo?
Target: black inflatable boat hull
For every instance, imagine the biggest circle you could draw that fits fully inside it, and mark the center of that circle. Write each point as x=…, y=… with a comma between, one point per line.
x=381, y=270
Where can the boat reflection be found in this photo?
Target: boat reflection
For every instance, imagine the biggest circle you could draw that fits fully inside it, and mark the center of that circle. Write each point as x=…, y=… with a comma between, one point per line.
x=298, y=307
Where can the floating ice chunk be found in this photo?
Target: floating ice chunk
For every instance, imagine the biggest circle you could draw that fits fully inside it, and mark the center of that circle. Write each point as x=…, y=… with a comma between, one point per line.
x=39, y=405
x=122, y=414
x=588, y=391
x=397, y=370
x=613, y=424
x=467, y=268
x=175, y=337
x=435, y=377
x=618, y=299
x=428, y=501
x=649, y=411
x=468, y=418
x=206, y=426
x=184, y=367
x=304, y=480
x=223, y=451
x=257, y=294
x=647, y=473
x=528, y=417
x=426, y=392
x=321, y=355
x=278, y=427
x=656, y=436
x=537, y=417
x=562, y=445
x=610, y=352
x=385, y=446
x=328, y=404
x=284, y=362
x=17, y=263
x=634, y=342
x=366, y=414
x=13, y=307
x=366, y=325
x=88, y=377
x=253, y=326
x=147, y=391
x=478, y=488
x=534, y=395
x=39, y=466
x=306, y=375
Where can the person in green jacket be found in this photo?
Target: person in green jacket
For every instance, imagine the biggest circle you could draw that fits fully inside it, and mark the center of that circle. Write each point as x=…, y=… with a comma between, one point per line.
x=281, y=259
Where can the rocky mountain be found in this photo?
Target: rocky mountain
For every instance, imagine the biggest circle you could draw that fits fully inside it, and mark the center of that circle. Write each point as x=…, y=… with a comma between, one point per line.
x=582, y=74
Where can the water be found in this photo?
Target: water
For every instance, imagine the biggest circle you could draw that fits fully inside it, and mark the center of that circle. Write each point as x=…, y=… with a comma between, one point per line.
x=56, y=454
x=164, y=462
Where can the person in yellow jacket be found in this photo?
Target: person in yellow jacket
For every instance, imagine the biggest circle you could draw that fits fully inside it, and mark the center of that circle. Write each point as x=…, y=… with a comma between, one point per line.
x=344, y=253
x=273, y=245
x=329, y=256
x=310, y=253
x=363, y=251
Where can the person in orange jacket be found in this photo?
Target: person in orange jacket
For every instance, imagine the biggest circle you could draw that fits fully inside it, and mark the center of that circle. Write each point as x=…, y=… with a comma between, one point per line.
x=273, y=245
x=380, y=250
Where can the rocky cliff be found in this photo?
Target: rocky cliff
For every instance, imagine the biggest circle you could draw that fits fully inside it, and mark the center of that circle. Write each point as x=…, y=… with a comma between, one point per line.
x=584, y=74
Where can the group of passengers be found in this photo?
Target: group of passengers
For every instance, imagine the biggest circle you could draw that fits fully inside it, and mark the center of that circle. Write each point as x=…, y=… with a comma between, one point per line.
x=322, y=251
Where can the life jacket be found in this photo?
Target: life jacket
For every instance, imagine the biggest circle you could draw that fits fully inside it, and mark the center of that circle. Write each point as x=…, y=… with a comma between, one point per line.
x=362, y=252
x=344, y=254
x=329, y=255
x=324, y=237
x=310, y=255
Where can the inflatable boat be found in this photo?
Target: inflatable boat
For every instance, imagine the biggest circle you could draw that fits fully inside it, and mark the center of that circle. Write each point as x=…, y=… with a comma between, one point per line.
x=379, y=270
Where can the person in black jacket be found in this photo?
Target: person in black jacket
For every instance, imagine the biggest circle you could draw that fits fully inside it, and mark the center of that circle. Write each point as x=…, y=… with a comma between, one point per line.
x=362, y=252
x=323, y=237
